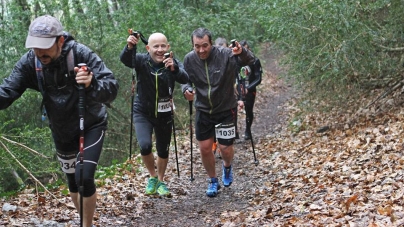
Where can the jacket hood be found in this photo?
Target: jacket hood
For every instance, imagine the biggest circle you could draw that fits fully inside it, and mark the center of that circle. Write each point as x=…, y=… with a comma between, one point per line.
x=69, y=40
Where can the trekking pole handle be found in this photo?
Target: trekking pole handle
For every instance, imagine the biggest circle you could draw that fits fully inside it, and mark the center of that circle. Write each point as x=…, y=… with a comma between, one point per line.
x=190, y=90
x=84, y=67
x=233, y=42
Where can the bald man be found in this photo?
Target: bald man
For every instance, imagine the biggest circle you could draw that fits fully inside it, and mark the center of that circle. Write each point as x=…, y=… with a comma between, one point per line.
x=156, y=76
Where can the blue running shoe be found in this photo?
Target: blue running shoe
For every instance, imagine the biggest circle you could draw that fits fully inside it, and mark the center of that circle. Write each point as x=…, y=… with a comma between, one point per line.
x=227, y=176
x=213, y=187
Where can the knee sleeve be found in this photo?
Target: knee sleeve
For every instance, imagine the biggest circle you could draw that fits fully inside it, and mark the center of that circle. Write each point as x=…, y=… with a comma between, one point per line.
x=71, y=183
x=145, y=146
x=89, y=187
x=163, y=146
x=88, y=179
x=145, y=152
x=163, y=154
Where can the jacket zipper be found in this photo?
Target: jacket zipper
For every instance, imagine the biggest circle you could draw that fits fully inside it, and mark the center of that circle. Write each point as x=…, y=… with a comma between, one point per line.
x=210, y=88
x=157, y=93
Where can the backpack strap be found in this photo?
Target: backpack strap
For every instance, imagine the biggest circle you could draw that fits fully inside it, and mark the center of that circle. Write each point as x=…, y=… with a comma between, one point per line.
x=39, y=75
x=70, y=62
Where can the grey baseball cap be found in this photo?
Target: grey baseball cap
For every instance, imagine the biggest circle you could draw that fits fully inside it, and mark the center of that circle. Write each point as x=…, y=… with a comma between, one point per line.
x=43, y=31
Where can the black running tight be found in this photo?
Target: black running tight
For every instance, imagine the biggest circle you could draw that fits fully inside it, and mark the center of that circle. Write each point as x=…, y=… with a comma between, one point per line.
x=93, y=141
x=249, y=106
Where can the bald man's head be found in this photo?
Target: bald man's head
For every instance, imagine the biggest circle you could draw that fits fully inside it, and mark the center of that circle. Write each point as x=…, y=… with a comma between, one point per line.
x=157, y=36
x=157, y=46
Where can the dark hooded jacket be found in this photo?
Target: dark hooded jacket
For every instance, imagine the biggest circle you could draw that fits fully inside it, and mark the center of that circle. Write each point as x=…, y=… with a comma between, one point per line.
x=255, y=75
x=154, y=82
x=214, y=78
x=60, y=90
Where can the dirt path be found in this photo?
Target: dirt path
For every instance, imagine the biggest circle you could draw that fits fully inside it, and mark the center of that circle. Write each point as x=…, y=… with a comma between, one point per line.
x=121, y=201
x=189, y=205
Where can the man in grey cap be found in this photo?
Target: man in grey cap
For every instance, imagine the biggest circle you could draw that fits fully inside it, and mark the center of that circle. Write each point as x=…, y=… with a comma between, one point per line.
x=46, y=68
x=43, y=31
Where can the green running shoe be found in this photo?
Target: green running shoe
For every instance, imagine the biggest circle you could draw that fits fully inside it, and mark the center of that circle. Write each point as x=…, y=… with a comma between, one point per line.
x=162, y=189
x=151, y=187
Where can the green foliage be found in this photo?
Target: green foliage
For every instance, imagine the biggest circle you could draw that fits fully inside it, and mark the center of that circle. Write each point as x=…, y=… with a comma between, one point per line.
x=55, y=185
x=114, y=170
x=331, y=42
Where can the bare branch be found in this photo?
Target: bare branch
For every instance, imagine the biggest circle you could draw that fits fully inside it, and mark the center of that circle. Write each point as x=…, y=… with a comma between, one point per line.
x=22, y=145
x=391, y=48
x=389, y=90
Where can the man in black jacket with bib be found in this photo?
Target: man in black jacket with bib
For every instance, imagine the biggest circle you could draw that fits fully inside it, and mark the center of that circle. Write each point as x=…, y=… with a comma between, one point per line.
x=51, y=52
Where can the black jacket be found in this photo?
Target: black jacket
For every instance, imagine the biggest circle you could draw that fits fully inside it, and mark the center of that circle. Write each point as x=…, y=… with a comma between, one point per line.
x=148, y=73
x=214, y=78
x=61, y=93
x=255, y=76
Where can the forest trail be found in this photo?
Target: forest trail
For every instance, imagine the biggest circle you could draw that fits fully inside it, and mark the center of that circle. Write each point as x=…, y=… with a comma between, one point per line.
x=344, y=176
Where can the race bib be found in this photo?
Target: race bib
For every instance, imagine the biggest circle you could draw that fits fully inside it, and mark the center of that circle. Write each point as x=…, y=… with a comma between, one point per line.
x=225, y=131
x=67, y=165
x=164, y=105
x=245, y=71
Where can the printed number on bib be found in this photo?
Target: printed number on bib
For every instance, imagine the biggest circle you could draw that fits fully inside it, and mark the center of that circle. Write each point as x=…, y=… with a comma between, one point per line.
x=67, y=165
x=225, y=131
x=164, y=105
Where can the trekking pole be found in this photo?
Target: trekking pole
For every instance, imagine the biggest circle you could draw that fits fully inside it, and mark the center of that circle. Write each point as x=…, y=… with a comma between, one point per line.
x=170, y=92
x=131, y=32
x=131, y=115
x=81, y=140
x=190, y=132
x=243, y=86
x=172, y=119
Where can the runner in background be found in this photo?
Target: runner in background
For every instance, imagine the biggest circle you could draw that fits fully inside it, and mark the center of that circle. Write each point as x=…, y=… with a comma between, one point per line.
x=252, y=75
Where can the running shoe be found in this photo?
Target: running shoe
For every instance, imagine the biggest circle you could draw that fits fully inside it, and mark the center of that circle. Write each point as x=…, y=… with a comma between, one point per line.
x=227, y=176
x=162, y=189
x=213, y=187
x=151, y=187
